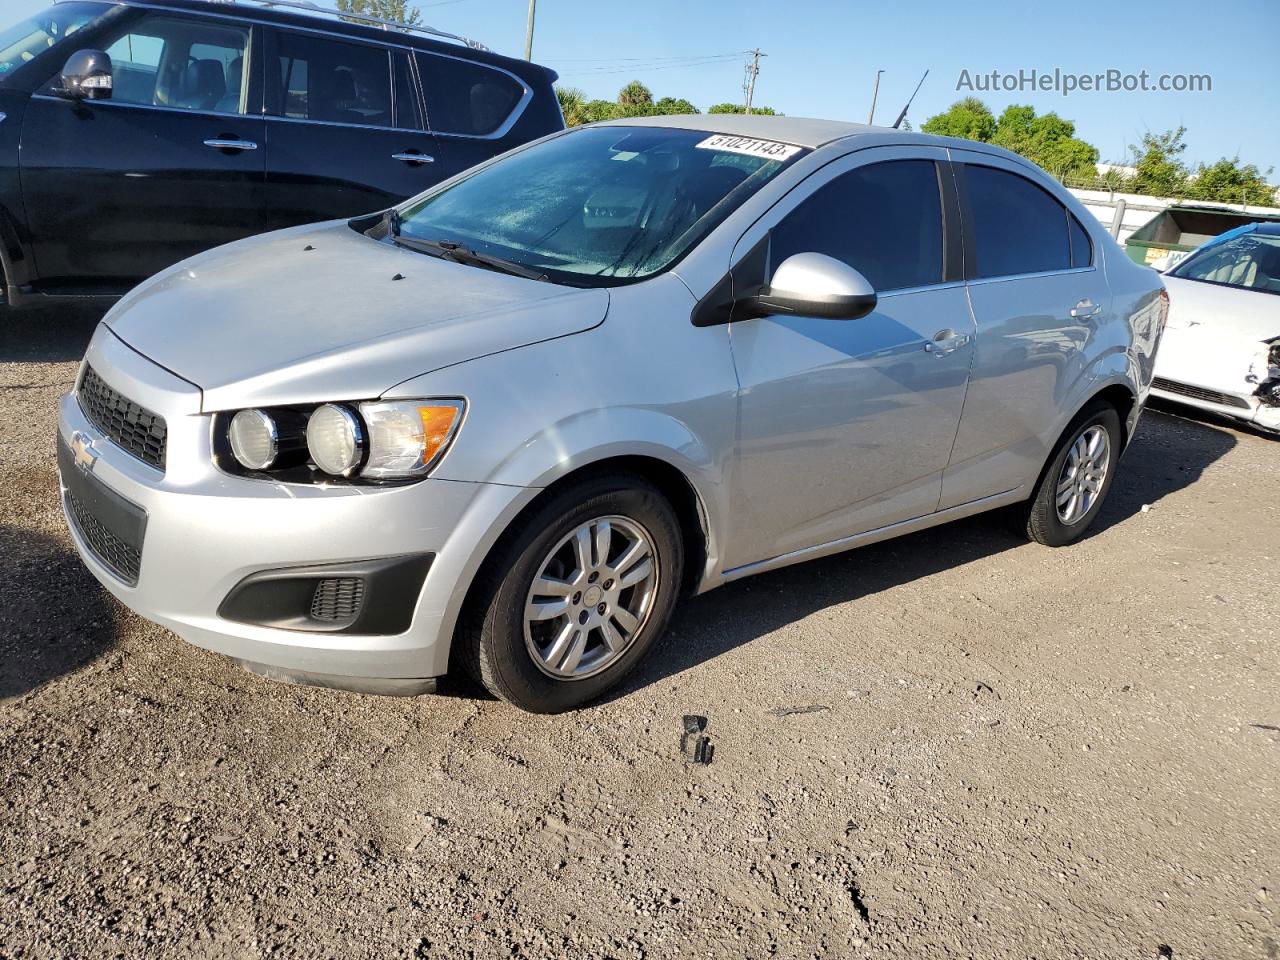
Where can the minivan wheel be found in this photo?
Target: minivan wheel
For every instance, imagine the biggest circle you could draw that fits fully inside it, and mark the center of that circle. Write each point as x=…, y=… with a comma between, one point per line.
x=1074, y=486
x=576, y=596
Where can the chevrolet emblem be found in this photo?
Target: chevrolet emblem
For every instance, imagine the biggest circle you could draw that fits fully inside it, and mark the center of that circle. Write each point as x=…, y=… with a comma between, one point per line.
x=85, y=455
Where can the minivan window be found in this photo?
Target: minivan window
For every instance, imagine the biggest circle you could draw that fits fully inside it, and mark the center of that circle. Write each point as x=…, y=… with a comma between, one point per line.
x=884, y=220
x=408, y=115
x=178, y=63
x=464, y=97
x=1017, y=226
x=332, y=81
x=27, y=39
x=598, y=206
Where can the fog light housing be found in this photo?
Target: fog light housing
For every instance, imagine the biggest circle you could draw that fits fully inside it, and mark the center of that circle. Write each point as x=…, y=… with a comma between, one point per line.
x=254, y=439
x=335, y=440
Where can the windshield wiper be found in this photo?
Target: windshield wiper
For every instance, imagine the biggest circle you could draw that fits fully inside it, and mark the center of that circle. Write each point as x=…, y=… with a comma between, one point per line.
x=448, y=250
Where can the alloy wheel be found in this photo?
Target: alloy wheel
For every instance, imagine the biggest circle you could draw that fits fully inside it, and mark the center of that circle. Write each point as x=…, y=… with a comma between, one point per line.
x=592, y=596
x=1083, y=474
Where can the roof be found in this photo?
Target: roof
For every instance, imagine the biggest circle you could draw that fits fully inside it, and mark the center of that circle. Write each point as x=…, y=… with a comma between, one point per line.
x=801, y=131
x=328, y=19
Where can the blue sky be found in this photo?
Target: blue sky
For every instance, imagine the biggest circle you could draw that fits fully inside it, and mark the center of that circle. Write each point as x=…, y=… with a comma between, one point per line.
x=822, y=57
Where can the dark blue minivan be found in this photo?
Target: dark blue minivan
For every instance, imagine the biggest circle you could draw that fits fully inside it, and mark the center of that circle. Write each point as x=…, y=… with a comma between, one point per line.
x=134, y=134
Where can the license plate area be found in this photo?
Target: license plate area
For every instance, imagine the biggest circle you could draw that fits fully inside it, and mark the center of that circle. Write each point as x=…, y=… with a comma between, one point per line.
x=112, y=527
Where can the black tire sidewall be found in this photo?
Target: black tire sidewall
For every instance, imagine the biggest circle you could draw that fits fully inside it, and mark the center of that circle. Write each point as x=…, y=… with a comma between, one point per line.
x=507, y=667
x=1045, y=526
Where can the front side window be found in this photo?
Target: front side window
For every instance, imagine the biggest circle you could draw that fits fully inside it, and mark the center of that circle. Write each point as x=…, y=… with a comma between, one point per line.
x=27, y=39
x=884, y=220
x=1017, y=226
x=599, y=206
x=464, y=97
x=161, y=61
x=333, y=82
x=1251, y=262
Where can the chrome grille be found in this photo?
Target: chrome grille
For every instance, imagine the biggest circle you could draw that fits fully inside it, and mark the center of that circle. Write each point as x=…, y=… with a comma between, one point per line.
x=1198, y=393
x=130, y=426
x=124, y=559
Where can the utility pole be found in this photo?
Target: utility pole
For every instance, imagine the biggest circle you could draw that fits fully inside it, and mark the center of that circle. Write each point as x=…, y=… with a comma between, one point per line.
x=528, y=31
x=871, y=117
x=753, y=71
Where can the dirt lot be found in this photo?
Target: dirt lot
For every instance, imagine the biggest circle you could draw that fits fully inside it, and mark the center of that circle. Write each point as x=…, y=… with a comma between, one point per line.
x=1024, y=753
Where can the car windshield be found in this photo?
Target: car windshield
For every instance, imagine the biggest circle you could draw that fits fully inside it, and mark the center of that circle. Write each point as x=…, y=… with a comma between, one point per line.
x=600, y=206
x=1251, y=261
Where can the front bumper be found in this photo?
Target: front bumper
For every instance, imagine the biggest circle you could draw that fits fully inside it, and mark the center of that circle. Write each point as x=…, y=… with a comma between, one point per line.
x=206, y=532
x=1239, y=407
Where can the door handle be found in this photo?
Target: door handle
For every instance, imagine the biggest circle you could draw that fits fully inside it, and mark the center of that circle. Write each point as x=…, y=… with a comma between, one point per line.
x=1086, y=308
x=231, y=144
x=944, y=342
x=414, y=157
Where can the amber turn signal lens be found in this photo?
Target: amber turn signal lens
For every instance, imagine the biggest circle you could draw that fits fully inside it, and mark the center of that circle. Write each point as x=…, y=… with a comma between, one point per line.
x=437, y=427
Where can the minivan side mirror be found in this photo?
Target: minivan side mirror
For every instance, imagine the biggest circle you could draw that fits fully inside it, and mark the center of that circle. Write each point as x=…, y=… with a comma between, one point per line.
x=815, y=285
x=87, y=76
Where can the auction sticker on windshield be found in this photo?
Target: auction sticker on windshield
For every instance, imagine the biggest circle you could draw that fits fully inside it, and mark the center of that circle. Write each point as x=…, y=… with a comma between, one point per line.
x=768, y=149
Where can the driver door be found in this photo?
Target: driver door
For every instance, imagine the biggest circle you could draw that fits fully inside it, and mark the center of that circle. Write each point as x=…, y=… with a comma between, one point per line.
x=847, y=425
x=118, y=189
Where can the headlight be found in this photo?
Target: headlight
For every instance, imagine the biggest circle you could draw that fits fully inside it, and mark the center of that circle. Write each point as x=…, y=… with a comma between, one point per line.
x=408, y=437
x=335, y=440
x=253, y=439
x=378, y=440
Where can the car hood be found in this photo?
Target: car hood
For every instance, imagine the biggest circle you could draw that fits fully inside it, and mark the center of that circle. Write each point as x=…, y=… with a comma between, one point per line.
x=1215, y=336
x=1222, y=311
x=323, y=313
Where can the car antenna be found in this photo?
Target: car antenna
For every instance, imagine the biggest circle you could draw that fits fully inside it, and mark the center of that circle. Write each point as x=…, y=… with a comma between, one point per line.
x=903, y=115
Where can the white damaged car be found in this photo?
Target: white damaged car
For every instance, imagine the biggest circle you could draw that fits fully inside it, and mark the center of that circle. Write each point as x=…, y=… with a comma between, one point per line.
x=1221, y=346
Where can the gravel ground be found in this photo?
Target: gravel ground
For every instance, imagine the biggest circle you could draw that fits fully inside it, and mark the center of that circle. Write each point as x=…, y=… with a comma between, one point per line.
x=1022, y=753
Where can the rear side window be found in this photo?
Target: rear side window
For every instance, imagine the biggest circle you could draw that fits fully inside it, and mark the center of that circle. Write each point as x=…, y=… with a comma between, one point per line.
x=884, y=220
x=333, y=82
x=1017, y=226
x=180, y=64
x=466, y=98
x=1081, y=246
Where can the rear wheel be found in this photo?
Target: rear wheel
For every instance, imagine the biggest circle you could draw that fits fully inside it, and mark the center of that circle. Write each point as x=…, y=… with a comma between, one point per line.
x=576, y=596
x=1074, y=486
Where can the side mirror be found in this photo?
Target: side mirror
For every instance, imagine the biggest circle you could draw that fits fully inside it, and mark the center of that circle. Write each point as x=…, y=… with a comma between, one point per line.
x=87, y=76
x=815, y=285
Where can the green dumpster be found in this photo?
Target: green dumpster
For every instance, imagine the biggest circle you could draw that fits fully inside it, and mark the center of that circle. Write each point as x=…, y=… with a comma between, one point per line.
x=1183, y=229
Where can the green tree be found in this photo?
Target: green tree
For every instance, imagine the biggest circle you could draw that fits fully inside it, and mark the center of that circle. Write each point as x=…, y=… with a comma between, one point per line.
x=970, y=119
x=1228, y=182
x=1046, y=140
x=635, y=99
x=573, y=105
x=1160, y=171
x=741, y=108
x=397, y=11
x=670, y=105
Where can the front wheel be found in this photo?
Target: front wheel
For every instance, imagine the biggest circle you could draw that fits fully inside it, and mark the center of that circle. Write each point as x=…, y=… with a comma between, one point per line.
x=1074, y=486
x=576, y=596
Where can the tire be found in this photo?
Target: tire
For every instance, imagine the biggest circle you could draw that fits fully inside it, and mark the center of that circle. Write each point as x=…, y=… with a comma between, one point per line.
x=1042, y=518
x=530, y=663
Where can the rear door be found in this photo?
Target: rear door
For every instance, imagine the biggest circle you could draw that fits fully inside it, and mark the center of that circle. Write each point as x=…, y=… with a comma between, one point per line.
x=345, y=130
x=847, y=425
x=116, y=190
x=1039, y=299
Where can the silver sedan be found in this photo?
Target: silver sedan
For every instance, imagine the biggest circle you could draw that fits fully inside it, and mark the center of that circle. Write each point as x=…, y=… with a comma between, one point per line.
x=501, y=427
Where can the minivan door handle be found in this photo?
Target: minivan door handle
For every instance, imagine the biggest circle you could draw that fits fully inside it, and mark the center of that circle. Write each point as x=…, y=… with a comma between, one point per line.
x=945, y=341
x=231, y=144
x=1086, y=308
x=410, y=156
